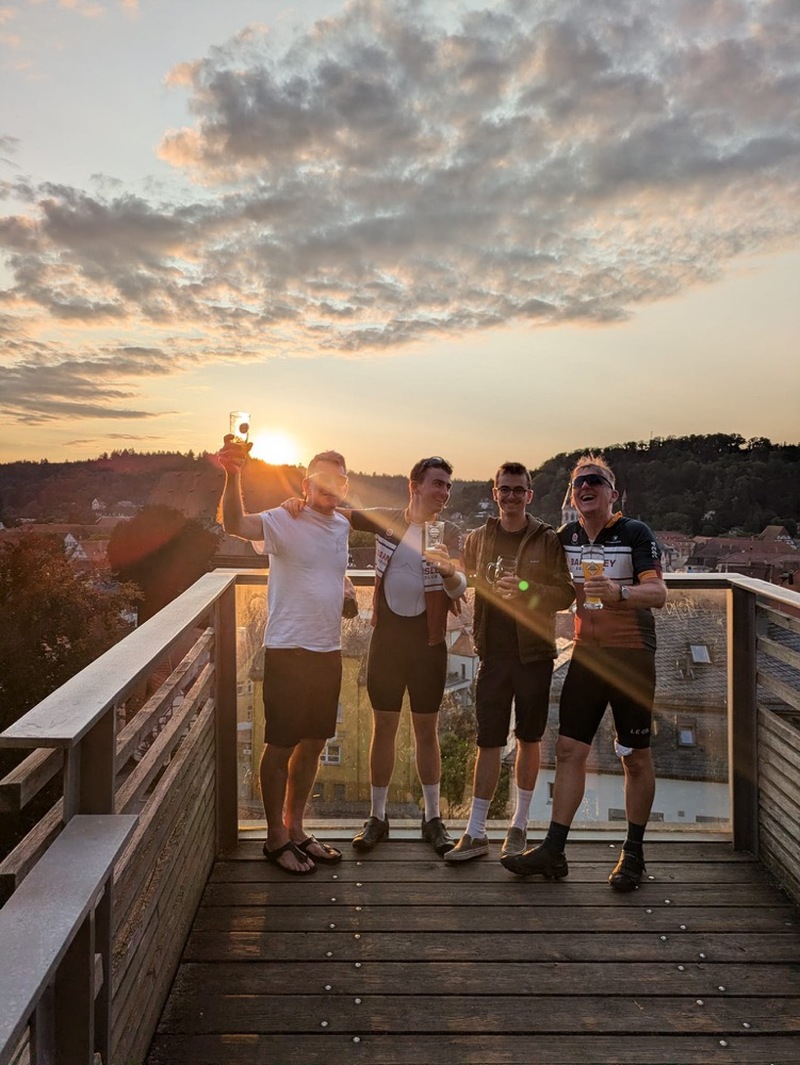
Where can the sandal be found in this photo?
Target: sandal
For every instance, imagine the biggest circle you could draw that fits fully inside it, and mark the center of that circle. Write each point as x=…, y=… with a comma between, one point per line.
x=274, y=858
x=330, y=855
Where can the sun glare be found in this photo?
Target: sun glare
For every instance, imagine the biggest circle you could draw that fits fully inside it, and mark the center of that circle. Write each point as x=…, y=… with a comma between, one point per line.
x=276, y=448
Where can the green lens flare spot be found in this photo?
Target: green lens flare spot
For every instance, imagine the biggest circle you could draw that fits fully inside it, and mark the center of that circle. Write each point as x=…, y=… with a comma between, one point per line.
x=523, y=586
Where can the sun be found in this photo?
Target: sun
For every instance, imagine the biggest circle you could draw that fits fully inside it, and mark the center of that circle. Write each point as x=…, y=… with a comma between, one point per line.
x=276, y=448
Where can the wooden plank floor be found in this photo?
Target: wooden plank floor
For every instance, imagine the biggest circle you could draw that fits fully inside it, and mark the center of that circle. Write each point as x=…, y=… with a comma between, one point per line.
x=395, y=957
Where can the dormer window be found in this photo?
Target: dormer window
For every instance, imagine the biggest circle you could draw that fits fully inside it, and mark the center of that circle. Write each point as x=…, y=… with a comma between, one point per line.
x=687, y=736
x=700, y=654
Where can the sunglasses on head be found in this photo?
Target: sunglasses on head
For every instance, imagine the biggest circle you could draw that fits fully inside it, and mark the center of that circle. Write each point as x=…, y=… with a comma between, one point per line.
x=594, y=480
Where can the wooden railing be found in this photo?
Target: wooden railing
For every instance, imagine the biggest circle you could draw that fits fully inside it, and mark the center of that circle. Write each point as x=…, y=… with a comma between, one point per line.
x=147, y=731
x=146, y=737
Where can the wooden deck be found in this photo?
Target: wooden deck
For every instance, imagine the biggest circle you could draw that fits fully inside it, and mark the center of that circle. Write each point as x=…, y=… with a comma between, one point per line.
x=394, y=958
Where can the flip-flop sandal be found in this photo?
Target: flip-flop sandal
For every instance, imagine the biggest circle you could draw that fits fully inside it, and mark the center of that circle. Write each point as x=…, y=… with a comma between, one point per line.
x=274, y=856
x=331, y=855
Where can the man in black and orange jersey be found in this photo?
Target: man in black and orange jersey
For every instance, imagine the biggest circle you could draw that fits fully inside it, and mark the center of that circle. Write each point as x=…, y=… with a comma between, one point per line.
x=613, y=662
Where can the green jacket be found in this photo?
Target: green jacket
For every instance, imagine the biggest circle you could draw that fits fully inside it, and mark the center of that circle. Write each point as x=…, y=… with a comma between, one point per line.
x=542, y=565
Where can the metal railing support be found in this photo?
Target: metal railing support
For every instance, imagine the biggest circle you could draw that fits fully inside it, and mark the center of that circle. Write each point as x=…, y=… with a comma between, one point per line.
x=743, y=719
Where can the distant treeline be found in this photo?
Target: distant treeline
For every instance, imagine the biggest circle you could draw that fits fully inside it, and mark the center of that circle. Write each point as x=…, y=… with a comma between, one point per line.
x=701, y=485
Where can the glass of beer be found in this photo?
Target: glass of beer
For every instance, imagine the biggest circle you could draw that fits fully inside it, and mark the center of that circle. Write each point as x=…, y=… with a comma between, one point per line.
x=592, y=562
x=434, y=534
x=505, y=566
x=239, y=426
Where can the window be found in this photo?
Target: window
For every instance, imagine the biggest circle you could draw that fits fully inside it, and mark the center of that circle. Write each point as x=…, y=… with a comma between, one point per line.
x=686, y=734
x=339, y=713
x=332, y=755
x=699, y=654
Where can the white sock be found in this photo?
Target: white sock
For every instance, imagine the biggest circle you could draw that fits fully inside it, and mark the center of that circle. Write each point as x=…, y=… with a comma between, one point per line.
x=430, y=792
x=379, y=803
x=478, y=812
x=523, y=808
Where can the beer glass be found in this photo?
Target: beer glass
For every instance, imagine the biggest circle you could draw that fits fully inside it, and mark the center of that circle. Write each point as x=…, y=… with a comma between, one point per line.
x=592, y=563
x=505, y=566
x=434, y=534
x=239, y=426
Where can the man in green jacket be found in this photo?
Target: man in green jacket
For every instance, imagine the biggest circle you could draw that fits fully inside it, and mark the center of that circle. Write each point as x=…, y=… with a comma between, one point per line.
x=518, y=568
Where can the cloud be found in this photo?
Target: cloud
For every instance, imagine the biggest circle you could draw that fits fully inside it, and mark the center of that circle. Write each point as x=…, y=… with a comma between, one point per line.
x=49, y=387
x=388, y=178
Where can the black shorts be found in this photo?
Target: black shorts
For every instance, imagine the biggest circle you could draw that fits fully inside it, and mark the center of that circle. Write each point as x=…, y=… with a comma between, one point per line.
x=301, y=694
x=401, y=659
x=503, y=680
x=622, y=676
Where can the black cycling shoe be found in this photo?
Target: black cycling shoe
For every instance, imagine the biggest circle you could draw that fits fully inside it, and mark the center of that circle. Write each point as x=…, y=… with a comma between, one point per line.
x=435, y=832
x=373, y=832
x=627, y=872
x=538, y=861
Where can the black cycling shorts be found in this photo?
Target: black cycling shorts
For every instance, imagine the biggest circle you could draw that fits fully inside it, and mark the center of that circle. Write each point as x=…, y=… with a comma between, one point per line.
x=623, y=677
x=401, y=660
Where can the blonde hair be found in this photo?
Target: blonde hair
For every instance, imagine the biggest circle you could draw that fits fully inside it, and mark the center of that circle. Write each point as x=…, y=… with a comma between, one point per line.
x=597, y=462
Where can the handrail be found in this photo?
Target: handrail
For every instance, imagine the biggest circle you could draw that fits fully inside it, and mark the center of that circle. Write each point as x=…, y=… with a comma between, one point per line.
x=67, y=714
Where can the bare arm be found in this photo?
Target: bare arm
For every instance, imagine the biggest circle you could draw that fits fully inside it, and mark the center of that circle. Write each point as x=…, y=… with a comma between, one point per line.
x=234, y=519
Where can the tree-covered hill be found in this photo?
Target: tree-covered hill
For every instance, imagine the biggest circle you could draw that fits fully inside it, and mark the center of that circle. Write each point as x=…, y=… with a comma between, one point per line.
x=702, y=485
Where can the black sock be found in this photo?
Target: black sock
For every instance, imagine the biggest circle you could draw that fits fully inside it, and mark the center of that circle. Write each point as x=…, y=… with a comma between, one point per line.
x=556, y=838
x=635, y=839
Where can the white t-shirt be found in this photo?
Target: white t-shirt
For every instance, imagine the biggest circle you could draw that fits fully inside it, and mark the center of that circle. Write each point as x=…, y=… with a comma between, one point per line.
x=403, y=583
x=305, y=591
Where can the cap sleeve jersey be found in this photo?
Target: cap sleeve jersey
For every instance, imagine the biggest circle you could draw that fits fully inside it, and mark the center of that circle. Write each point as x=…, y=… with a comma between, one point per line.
x=632, y=556
x=308, y=561
x=390, y=527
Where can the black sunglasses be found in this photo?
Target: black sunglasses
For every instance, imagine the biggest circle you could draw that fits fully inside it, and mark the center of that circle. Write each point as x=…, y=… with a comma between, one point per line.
x=592, y=479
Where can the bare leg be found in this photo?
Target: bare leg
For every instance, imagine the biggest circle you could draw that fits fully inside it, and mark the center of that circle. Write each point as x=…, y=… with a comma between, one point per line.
x=303, y=767
x=274, y=772
x=570, y=782
x=426, y=747
x=640, y=785
x=526, y=766
x=382, y=748
x=487, y=772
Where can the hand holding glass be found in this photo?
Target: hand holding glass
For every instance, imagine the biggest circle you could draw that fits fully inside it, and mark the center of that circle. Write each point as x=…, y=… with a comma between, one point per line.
x=239, y=426
x=505, y=568
x=434, y=534
x=592, y=563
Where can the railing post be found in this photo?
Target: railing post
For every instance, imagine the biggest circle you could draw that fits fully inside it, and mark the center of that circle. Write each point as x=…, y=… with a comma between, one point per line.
x=225, y=719
x=743, y=719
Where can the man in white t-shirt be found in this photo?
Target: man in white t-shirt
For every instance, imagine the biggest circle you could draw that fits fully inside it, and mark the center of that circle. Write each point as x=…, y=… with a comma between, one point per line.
x=302, y=641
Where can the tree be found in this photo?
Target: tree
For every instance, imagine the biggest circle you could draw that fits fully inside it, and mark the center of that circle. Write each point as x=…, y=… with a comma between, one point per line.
x=53, y=621
x=161, y=551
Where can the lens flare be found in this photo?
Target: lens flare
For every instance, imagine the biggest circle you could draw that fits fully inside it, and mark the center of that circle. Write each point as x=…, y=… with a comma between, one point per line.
x=276, y=447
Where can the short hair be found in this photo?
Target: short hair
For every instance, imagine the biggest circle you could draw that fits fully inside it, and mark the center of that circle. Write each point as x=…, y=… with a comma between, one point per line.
x=596, y=461
x=435, y=462
x=515, y=469
x=326, y=456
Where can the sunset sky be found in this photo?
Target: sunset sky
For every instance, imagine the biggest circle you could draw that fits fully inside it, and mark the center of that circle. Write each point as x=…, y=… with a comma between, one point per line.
x=495, y=230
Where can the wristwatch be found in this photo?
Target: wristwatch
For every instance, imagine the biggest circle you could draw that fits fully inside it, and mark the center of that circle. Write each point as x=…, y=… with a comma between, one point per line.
x=624, y=592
